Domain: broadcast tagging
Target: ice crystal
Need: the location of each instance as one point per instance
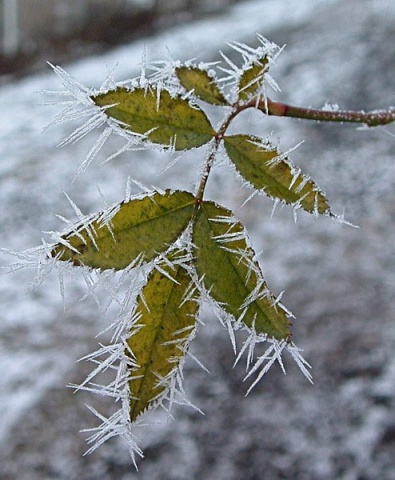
(260, 364)
(115, 426)
(81, 106)
(250, 56)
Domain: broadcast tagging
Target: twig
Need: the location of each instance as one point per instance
(372, 118)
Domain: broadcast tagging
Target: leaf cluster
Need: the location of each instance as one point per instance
(194, 248)
(188, 249)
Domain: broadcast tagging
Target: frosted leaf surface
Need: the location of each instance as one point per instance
(116, 237)
(154, 113)
(264, 167)
(158, 344)
(230, 273)
(201, 83)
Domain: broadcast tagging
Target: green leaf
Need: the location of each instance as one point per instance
(204, 86)
(167, 321)
(144, 226)
(263, 167)
(230, 273)
(252, 79)
(165, 120)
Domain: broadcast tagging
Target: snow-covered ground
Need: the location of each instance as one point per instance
(338, 281)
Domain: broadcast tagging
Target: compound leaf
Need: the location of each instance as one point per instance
(263, 166)
(252, 78)
(164, 119)
(160, 340)
(230, 273)
(204, 86)
(114, 239)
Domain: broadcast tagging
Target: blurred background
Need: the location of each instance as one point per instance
(33, 29)
(339, 281)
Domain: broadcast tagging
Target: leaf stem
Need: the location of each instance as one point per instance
(207, 168)
(372, 118)
(219, 135)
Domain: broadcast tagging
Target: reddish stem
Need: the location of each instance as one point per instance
(372, 119)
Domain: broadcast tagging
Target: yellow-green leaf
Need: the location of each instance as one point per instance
(231, 274)
(204, 86)
(167, 321)
(263, 167)
(252, 79)
(144, 226)
(165, 120)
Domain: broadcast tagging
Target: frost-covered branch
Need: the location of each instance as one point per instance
(177, 249)
(373, 118)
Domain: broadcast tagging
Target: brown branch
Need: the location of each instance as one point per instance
(373, 118)
(211, 155)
